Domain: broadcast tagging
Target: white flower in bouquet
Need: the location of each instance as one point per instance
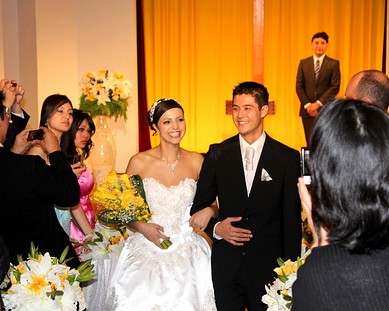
(279, 294)
(104, 241)
(46, 283)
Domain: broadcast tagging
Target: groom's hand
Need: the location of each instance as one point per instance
(235, 236)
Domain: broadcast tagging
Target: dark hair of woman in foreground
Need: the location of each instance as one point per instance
(350, 175)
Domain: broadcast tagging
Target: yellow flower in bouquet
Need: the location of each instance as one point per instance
(288, 267)
(279, 294)
(105, 93)
(121, 200)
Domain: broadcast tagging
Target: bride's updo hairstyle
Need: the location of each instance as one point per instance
(350, 175)
(158, 109)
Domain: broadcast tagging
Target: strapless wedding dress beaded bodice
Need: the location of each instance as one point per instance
(148, 278)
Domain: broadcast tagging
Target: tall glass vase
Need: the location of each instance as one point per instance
(104, 151)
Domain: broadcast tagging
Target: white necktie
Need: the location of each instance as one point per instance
(317, 69)
(249, 157)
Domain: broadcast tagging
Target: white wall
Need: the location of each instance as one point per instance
(48, 45)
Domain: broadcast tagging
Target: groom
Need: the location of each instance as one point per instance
(259, 207)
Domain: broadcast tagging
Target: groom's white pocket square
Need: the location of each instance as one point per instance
(265, 175)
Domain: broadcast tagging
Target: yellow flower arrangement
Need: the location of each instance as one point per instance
(105, 93)
(121, 200)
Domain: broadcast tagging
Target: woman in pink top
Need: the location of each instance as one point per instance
(78, 150)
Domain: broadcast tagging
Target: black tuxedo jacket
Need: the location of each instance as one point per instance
(18, 124)
(4, 260)
(29, 188)
(272, 211)
(326, 87)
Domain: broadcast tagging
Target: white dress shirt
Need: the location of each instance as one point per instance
(249, 175)
(257, 146)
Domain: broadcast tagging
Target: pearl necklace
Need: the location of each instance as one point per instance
(172, 165)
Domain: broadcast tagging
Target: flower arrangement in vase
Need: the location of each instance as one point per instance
(105, 93)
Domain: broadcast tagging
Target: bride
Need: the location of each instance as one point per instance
(148, 276)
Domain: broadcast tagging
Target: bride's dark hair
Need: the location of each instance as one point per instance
(159, 108)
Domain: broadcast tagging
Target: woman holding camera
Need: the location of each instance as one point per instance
(349, 205)
(57, 115)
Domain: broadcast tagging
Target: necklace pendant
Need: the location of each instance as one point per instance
(172, 165)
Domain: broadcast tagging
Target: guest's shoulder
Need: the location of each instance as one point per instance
(323, 256)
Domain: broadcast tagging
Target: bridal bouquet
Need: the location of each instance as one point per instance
(121, 200)
(105, 93)
(46, 283)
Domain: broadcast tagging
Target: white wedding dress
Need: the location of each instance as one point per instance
(148, 278)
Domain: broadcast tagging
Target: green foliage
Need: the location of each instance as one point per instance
(110, 109)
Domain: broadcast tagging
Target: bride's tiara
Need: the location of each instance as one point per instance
(152, 109)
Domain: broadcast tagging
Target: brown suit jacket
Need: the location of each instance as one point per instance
(326, 87)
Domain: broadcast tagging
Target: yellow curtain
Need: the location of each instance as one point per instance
(198, 50)
(356, 32)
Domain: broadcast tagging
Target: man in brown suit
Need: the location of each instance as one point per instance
(317, 82)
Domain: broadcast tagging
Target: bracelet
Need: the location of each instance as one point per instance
(7, 112)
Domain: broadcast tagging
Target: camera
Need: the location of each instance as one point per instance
(305, 172)
(36, 134)
(78, 158)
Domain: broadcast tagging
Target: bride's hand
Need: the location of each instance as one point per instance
(152, 232)
(200, 219)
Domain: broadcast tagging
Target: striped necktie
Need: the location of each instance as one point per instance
(317, 69)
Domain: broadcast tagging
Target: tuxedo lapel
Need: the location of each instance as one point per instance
(323, 68)
(311, 69)
(231, 163)
(236, 164)
(262, 165)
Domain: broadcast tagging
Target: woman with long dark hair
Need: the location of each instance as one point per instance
(79, 150)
